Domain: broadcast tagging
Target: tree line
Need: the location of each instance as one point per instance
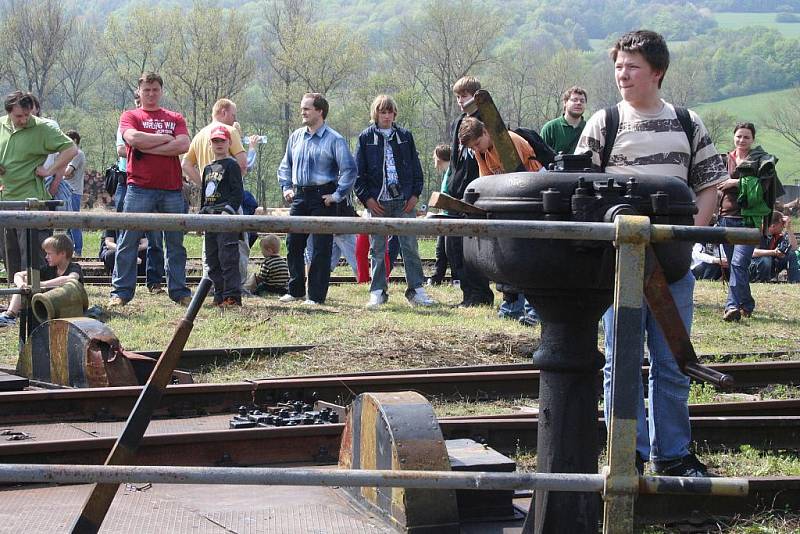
(85, 70)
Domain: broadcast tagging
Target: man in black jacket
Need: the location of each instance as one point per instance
(389, 184)
(463, 170)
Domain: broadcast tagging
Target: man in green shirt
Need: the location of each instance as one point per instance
(25, 143)
(562, 134)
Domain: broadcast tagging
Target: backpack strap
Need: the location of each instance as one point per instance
(687, 125)
(612, 125)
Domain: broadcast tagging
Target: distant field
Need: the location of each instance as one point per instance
(755, 108)
(732, 21)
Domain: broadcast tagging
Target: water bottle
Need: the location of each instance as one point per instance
(262, 139)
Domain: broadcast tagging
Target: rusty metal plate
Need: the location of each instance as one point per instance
(190, 509)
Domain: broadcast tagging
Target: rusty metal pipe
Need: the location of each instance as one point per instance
(357, 225)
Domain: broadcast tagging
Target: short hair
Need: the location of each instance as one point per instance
(442, 151)
(466, 85)
(319, 103)
(649, 44)
(269, 242)
(61, 243)
(747, 126)
(382, 103)
(36, 103)
(574, 89)
(221, 105)
(150, 77)
(18, 98)
(470, 130)
(776, 218)
(75, 136)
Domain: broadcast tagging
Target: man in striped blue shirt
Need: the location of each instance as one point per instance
(317, 173)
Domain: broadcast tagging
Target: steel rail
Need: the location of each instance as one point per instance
(472, 382)
(357, 225)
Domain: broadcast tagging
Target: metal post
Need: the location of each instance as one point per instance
(124, 451)
(622, 479)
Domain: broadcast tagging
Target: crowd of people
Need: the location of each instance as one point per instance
(319, 174)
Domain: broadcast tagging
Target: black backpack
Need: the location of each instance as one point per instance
(111, 179)
(544, 154)
(612, 125)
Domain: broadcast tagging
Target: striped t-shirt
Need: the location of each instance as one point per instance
(655, 144)
(273, 274)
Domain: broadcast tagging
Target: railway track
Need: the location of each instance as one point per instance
(472, 382)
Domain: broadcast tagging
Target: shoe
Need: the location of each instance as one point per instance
(688, 466)
(289, 298)
(746, 314)
(116, 302)
(527, 320)
(309, 302)
(231, 302)
(377, 298)
(184, 301)
(7, 320)
(155, 289)
(639, 465)
(418, 297)
(732, 314)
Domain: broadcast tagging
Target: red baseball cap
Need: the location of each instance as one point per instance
(220, 132)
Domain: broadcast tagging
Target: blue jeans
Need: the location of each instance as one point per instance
(408, 248)
(739, 256)
(666, 434)
(141, 200)
(343, 245)
(155, 244)
(75, 233)
(514, 306)
(765, 268)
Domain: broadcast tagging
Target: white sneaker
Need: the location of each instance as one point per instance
(309, 302)
(289, 298)
(377, 299)
(418, 297)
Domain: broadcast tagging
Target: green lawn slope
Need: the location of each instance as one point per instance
(734, 21)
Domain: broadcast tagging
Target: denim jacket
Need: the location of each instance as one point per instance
(371, 168)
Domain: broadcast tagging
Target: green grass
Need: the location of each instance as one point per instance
(734, 21)
(757, 109)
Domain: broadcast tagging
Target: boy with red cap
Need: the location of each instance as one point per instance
(222, 192)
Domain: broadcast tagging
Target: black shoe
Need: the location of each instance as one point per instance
(732, 315)
(640, 465)
(688, 466)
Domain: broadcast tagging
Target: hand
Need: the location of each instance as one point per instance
(375, 207)
(42, 171)
(410, 204)
(778, 254)
(329, 199)
(288, 195)
(70, 171)
(254, 140)
(730, 183)
(723, 262)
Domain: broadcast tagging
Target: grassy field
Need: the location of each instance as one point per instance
(756, 109)
(734, 21)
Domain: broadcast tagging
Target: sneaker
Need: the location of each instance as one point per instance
(231, 302)
(377, 298)
(732, 314)
(418, 297)
(688, 466)
(184, 301)
(7, 320)
(527, 320)
(309, 302)
(289, 298)
(155, 289)
(116, 302)
(746, 314)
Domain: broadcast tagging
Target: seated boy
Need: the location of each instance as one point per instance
(58, 250)
(273, 275)
(222, 193)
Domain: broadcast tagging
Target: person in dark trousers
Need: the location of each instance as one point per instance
(463, 170)
(222, 192)
(441, 162)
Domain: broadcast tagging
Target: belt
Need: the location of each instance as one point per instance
(328, 187)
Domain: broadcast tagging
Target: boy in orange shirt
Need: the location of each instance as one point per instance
(473, 134)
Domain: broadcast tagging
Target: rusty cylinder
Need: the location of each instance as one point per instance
(69, 300)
